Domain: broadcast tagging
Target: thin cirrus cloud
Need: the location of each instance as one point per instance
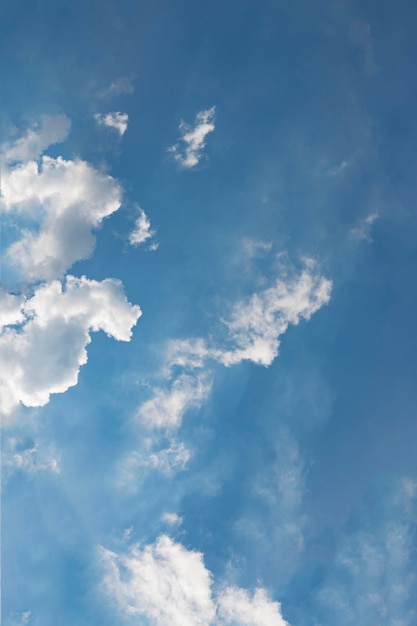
(272, 519)
(43, 354)
(188, 151)
(251, 332)
(372, 579)
(51, 130)
(117, 87)
(20, 619)
(60, 203)
(116, 120)
(32, 458)
(166, 407)
(363, 230)
(151, 454)
(166, 583)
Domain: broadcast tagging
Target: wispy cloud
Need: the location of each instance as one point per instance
(165, 456)
(255, 247)
(373, 578)
(142, 230)
(18, 455)
(255, 324)
(167, 406)
(116, 120)
(363, 231)
(119, 86)
(51, 130)
(251, 332)
(19, 619)
(188, 151)
(338, 169)
(272, 523)
(167, 584)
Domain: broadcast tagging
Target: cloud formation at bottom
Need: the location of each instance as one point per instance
(167, 584)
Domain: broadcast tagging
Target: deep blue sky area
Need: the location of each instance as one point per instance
(242, 449)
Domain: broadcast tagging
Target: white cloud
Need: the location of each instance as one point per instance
(363, 231)
(64, 201)
(189, 149)
(165, 583)
(10, 309)
(53, 129)
(166, 407)
(115, 119)
(251, 333)
(142, 230)
(188, 354)
(256, 323)
(152, 455)
(44, 354)
(167, 460)
(237, 606)
(172, 519)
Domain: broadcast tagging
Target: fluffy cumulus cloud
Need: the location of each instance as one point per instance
(10, 309)
(373, 578)
(142, 230)
(164, 583)
(43, 354)
(57, 204)
(116, 120)
(189, 149)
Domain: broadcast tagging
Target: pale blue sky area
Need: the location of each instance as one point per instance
(242, 449)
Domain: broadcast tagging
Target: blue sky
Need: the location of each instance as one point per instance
(207, 312)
